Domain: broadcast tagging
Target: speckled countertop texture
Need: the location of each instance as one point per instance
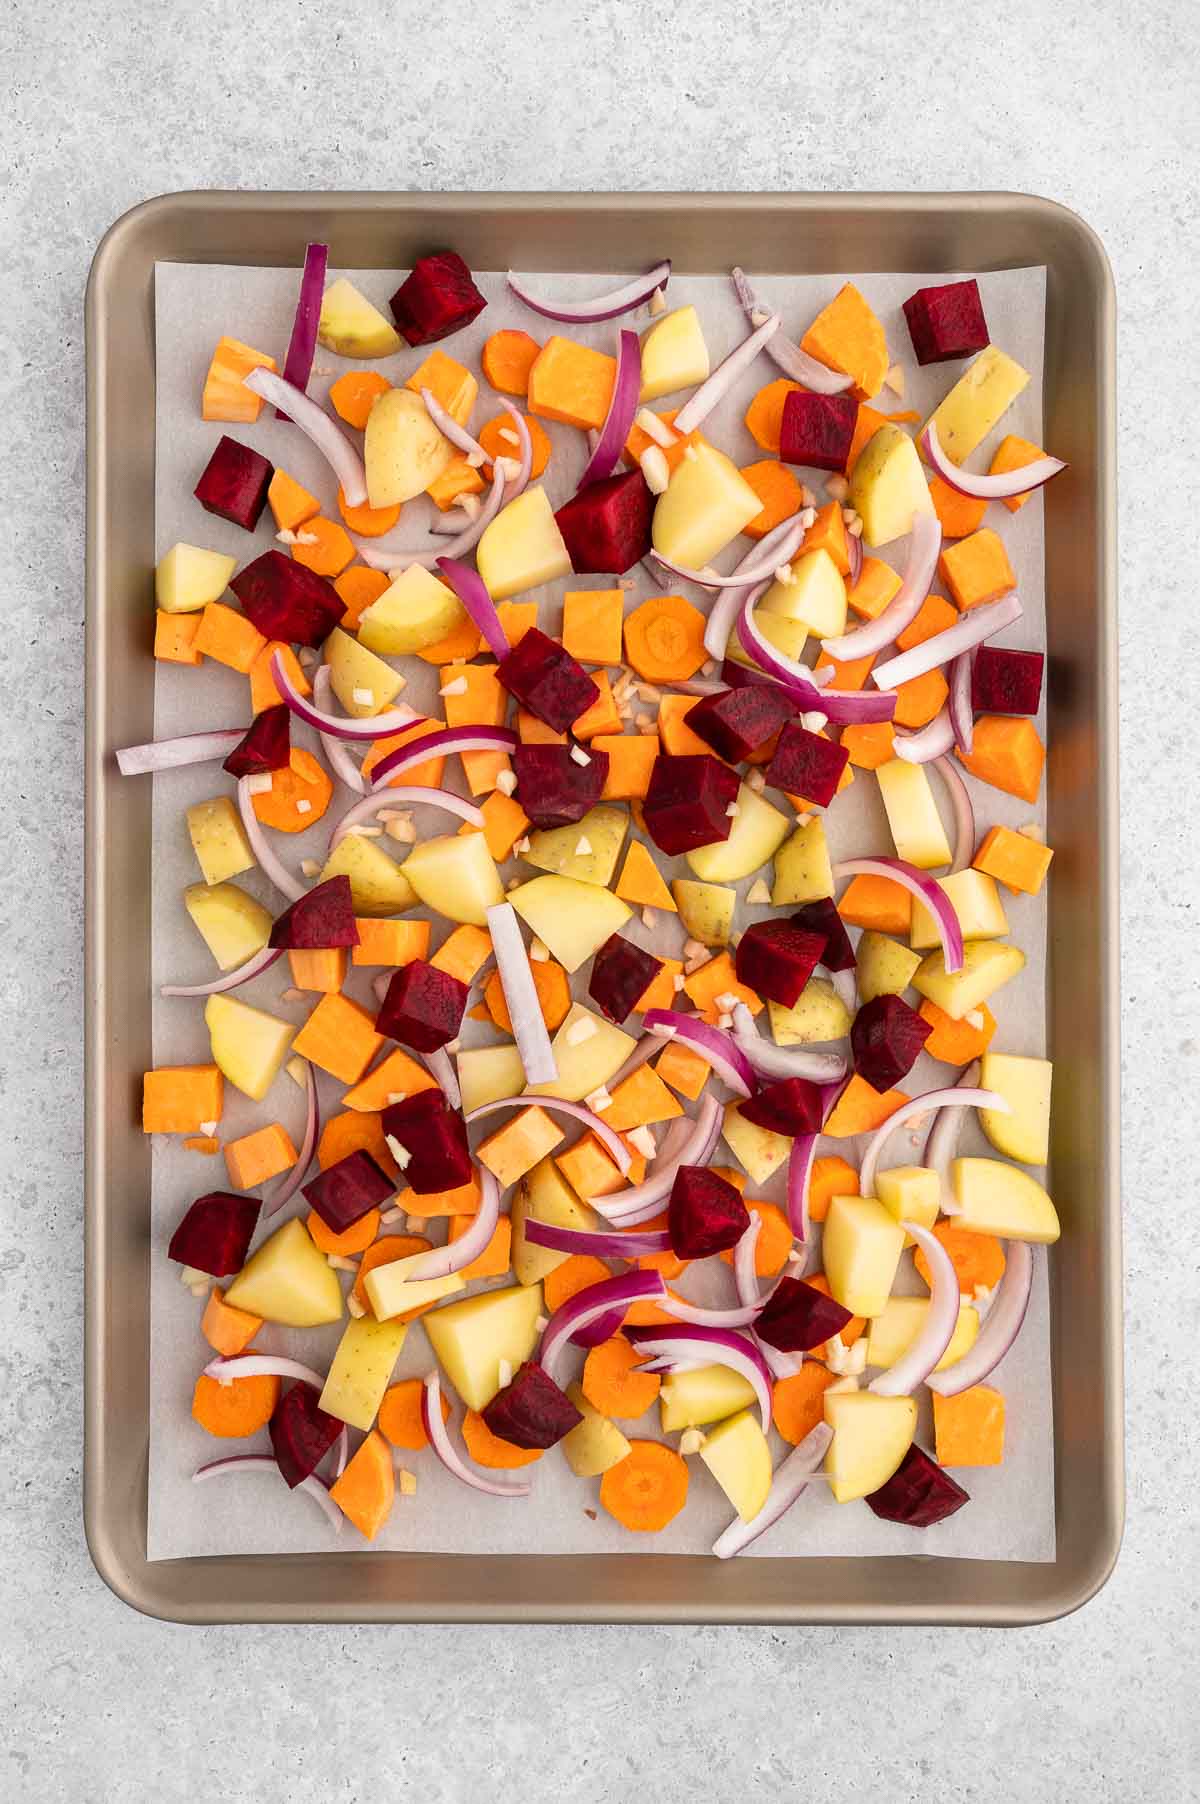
(108, 103)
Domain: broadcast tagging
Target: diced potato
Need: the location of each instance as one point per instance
(232, 924)
(471, 1338)
(588, 1050)
(737, 1455)
(391, 1290)
(674, 354)
(758, 831)
(1024, 1084)
(188, 578)
(403, 451)
(544, 1194)
(885, 967)
(987, 964)
(995, 1198)
(888, 487)
(363, 683)
(803, 872)
(362, 1370)
(522, 548)
(894, 1331)
(916, 826)
(378, 885)
(861, 1249)
(814, 594)
(756, 1149)
(248, 1045)
(910, 1193)
(288, 1280)
(488, 1073)
(708, 1394)
(706, 910)
(871, 1435)
(602, 833)
(573, 919)
(595, 1444)
(706, 504)
(351, 327)
(819, 1015)
(417, 610)
(219, 840)
(456, 875)
(975, 900)
(982, 395)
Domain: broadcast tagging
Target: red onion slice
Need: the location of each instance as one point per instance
(719, 1048)
(784, 1061)
(1001, 1325)
(964, 812)
(621, 409)
(694, 412)
(177, 754)
(292, 1180)
(716, 1346)
(740, 1317)
(745, 1279)
(521, 999)
(440, 1068)
(628, 1208)
(456, 1255)
(845, 707)
(976, 625)
(605, 306)
(340, 761)
(558, 1105)
(262, 1365)
(924, 888)
(942, 1139)
(297, 367)
(379, 726)
(234, 1463)
(866, 640)
(395, 560)
(471, 590)
(845, 985)
(341, 1452)
(629, 1245)
(439, 1440)
(958, 703)
(799, 1177)
(438, 745)
(932, 741)
(722, 616)
(854, 553)
(232, 980)
(272, 867)
(759, 570)
(588, 1305)
(785, 354)
(941, 1318)
(1000, 487)
(790, 1482)
(952, 1096)
(316, 425)
(449, 427)
(416, 795)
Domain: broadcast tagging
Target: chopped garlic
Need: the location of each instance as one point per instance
(521, 846)
(190, 1275)
(849, 514)
(297, 1071)
(476, 460)
(725, 1021)
(456, 686)
(647, 692)
(579, 756)
(658, 303)
(340, 1263)
(708, 666)
(974, 1018)
(286, 536)
(808, 518)
(452, 1046)
(509, 436)
(855, 528)
(691, 454)
(805, 820)
(599, 1100)
(783, 573)
(583, 845)
(694, 949)
(895, 380)
(303, 805)
(849, 1383)
(504, 1372)
(401, 830)
(758, 895)
(261, 783)
(1031, 830)
(649, 917)
(542, 1323)
(363, 698)
(836, 1354)
(732, 811)
(292, 995)
(407, 1481)
(309, 867)
(580, 1030)
(366, 832)
(677, 983)
(643, 723)
(655, 469)
(508, 467)
(353, 1305)
(395, 1096)
(807, 498)
(399, 1153)
(506, 782)
(538, 949)
(470, 505)
(643, 1140)
(691, 1441)
(307, 538)
(756, 781)
(836, 487)
(417, 1224)
(654, 428)
(394, 1214)
(856, 1359)
(209, 1128)
(727, 1001)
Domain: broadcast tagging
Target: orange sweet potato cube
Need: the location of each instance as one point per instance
(516, 1147)
(641, 1100)
(591, 628)
(382, 942)
(323, 968)
(175, 638)
(1014, 859)
(464, 952)
(264, 691)
(1011, 453)
(968, 1429)
(496, 1257)
(977, 569)
(256, 1158)
(683, 1069)
(228, 636)
(339, 1037)
(179, 1099)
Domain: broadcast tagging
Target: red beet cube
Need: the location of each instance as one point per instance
(776, 959)
(688, 802)
(286, 601)
(918, 1493)
(792, 1106)
(621, 972)
(423, 1007)
(807, 765)
(736, 722)
(235, 483)
(322, 918)
(214, 1235)
(886, 1038)
(946, 321)
(301, 1433)
(531, 1411)
(546, 679)
(435, 1138)
(267, 745)
(798, 1317)
(438, 298)
(1006, 682)
(552, 788)
(705, 1214)
(741, 676)
(344, 1192)
(817, 430)
(822, 917)
(606, 527)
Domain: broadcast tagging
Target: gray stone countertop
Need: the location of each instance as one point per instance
(109, 103)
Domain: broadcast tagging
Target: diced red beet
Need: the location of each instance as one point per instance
(817, 430)
(267, 745)
(301, 1433)
(946, 321)
(546, 679)
(553, 788)
(822, 917)
(214, 1234)
(777, 958)
(435, 1137)
(807, 765)
(705, 1214)
(736, 722)
(343, 1193)
(918, 1493)
(886, 1039)
(741, 676)
(438, 298)
(531, 1411)
(621, 972)
(323, 918)
(606, 527)
(423, 1007)
(286, 601)
(791, 1106)
(235, 483)
(797, 1317)
(687, 804)
(1005, 681)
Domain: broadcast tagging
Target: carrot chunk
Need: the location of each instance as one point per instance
(647, 1489)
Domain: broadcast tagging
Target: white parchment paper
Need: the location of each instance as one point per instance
(1011, 1515)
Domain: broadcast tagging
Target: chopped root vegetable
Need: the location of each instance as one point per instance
(487, 1449)
(236, 1409)
(612, 1383)
(507, 358)
(664, 639)
(297, 797)
(366, 1490)
(354, 394)
(577, 1272)
(400, 1415)
(647, 1489)
(978, 1259)
(798, 1403)
(831, 1176)
(227, 1330)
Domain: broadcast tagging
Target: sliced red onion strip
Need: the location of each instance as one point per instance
(262, 1365)
(964, 812)
(930, 742)
(799, 1177)
(790, 1481)
(456, 1255)
(415, 795)
(640, 1202)
(521, 997)
(605, 306)
(740, 1317)
(942, 1139)
(785, 354)
(451, 523)
(233, 1463)
(958, 702)
(845, 707)
(630, 1244)
(558, 1105)
(395, 560)
(941, 1318)
(379, 726)
(952, 1096)
(341, 1452)
(976, 625)
(292, 1180)
(718, 1346)
(761, 569)
(854, 553)
(784, 1061)
(520, 481)
(471, 590)
(695, 411)
(621, 408)
(232, 980)
(866, 640)
(177, 754)
(1001, 1325)
(438, 745)
(439, 1440)
(316, 425)
(272, 867)
(926, 890)
(449, 427)
(297, 367)
(588, 1305)
(340, 761)
(845, 987)
(722, 616)
(440, 1068)
(745, 1278)
(1000, 487)
(720, 1049)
